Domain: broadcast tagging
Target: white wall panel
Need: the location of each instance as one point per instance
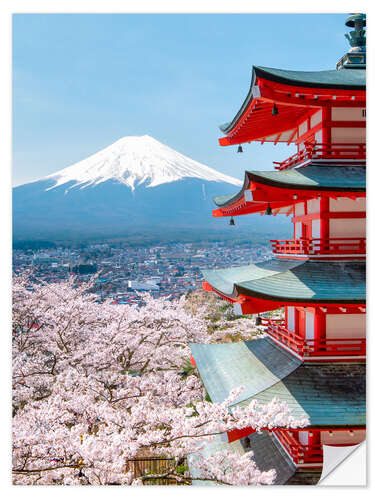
(315, 228)
(347, 205)
(313, 206)
(291, 318)
(316, 118)
(302, 129)
(354, 135)
(309, 325)
(348, 114)
(347, 228)
(300, 209)
(303, 437)
(319, 136)
(298, 231)
(342, 326)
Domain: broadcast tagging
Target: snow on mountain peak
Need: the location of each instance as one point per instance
(136, 160)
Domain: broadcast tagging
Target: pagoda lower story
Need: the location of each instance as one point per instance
(331, 395)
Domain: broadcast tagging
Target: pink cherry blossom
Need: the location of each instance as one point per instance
(96, 385)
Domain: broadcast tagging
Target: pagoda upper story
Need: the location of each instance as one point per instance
(308, 107)
(298, 106)
(323, 185)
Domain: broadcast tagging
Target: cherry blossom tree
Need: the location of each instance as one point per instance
(96, 385)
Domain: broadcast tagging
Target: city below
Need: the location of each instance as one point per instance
(122, 273)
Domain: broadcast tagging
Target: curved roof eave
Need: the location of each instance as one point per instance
(351, 79)
(293, 281)
(223, 201)
(283, 179)
(227, 127)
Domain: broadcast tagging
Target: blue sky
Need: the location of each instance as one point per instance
(82, 81)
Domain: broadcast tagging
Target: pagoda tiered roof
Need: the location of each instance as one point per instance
(279, 188)
(329, 395)
(295, 93)
(292, 281)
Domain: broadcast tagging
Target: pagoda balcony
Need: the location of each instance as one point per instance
(313, 348)
(302, 455)
(323, 151)
(326, 247)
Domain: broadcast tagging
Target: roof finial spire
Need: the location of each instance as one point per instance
(357, 38)
(356, 57)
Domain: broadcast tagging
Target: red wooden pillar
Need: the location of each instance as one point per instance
(319, 327)
(314, 437)
(326, 129)
(313, 444)
(301, 322)
(324, 202)
(324, 222)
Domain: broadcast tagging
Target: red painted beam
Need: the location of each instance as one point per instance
(239, 434)
(293, 89)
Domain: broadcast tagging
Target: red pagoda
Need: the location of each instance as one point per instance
(314, 358)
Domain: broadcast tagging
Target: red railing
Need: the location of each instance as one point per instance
(311, 454)
(318, 151)
(320, 246)
(277, 330)
(315, 347)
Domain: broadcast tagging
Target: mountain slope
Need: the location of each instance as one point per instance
(134, 161)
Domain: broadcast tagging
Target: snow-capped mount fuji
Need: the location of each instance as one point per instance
(137, 160)
(136, 186)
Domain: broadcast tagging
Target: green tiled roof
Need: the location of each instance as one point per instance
(222, 201)
(290, 280)
(354, 79)
(328, 394)
(315, 176)
(256, 365)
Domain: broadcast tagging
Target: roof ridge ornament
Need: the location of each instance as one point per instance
(356, 57)
(357, 38)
